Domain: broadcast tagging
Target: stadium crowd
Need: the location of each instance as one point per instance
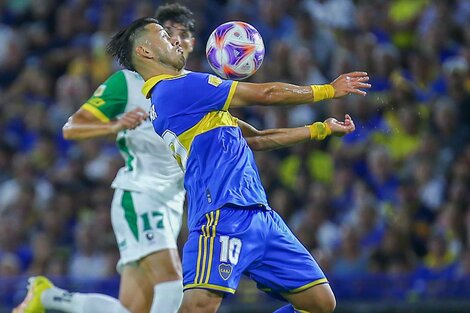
(392, 197)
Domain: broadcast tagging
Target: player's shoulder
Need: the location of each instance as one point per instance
(116, 81)
(205, 78)
(172, 83)
(132, 76)
(123, 77)
(113, 83)
(196, 75)
(190, 80)
(120, 81)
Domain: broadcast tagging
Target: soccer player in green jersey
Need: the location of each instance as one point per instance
(233, 231)
(148, 199)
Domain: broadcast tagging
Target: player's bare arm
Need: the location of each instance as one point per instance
(83, 124)
(277, 138)
(271, 139)
(283, 94)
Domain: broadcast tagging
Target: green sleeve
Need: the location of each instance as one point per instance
(109, 99)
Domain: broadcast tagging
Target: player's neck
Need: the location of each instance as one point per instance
(150, 70)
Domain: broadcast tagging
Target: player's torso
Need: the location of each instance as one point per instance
(149, 165)
(208, 144)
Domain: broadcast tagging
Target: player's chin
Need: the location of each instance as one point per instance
(181, 62)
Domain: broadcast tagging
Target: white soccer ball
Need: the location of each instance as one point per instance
(235, 50)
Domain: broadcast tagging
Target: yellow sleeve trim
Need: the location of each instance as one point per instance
(322, 92)
(209, 286)
(230, 96)
(319, 130)
(96, 112)
(151, 82)
(309, 285)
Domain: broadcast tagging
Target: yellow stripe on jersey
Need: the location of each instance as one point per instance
(208, 233)
(205, 235)
(230, 95)
(210, 121)
(309, 285)
(209, 286)
(204, 229)
(199, 252)
(198, 259)
(211, 245)
(96, 112)
(152, 81)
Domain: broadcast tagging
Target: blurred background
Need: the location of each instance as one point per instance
(385, 210)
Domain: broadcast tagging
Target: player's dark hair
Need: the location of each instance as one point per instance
(121, 45)
(176, 13)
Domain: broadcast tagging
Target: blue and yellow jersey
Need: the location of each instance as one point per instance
(189, 112)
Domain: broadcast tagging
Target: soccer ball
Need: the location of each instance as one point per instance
(235, 50)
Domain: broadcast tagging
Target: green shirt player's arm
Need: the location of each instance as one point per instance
(282, 93)
(97, 117)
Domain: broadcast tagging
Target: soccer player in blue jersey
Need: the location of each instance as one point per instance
(116, 105)
(233, 231)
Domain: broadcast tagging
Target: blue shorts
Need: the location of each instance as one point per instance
(229, 242)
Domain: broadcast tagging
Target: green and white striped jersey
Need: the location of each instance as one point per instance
(149, 164)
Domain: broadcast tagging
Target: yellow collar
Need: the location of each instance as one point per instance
(151, 82)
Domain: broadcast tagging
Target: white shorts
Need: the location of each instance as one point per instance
(143, 225)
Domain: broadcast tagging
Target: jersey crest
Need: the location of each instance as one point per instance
(99, 91)
(214, 80)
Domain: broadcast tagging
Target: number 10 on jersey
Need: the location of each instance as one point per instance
(230, 249)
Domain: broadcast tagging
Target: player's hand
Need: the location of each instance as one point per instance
(339, 128)
(349, 83)
(130, 120)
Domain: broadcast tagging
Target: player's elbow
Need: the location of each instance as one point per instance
(255, 143)
(67, 130)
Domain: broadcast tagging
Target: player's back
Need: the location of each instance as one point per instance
(206, 140)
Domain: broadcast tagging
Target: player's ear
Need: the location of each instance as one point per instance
(143, 51)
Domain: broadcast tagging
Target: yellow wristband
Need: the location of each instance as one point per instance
(319, 130)
(322, 92)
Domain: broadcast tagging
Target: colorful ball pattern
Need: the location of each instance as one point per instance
(235, 50)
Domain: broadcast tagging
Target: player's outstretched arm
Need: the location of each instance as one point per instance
(83, 124)
(271, 139)
(283, 94)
